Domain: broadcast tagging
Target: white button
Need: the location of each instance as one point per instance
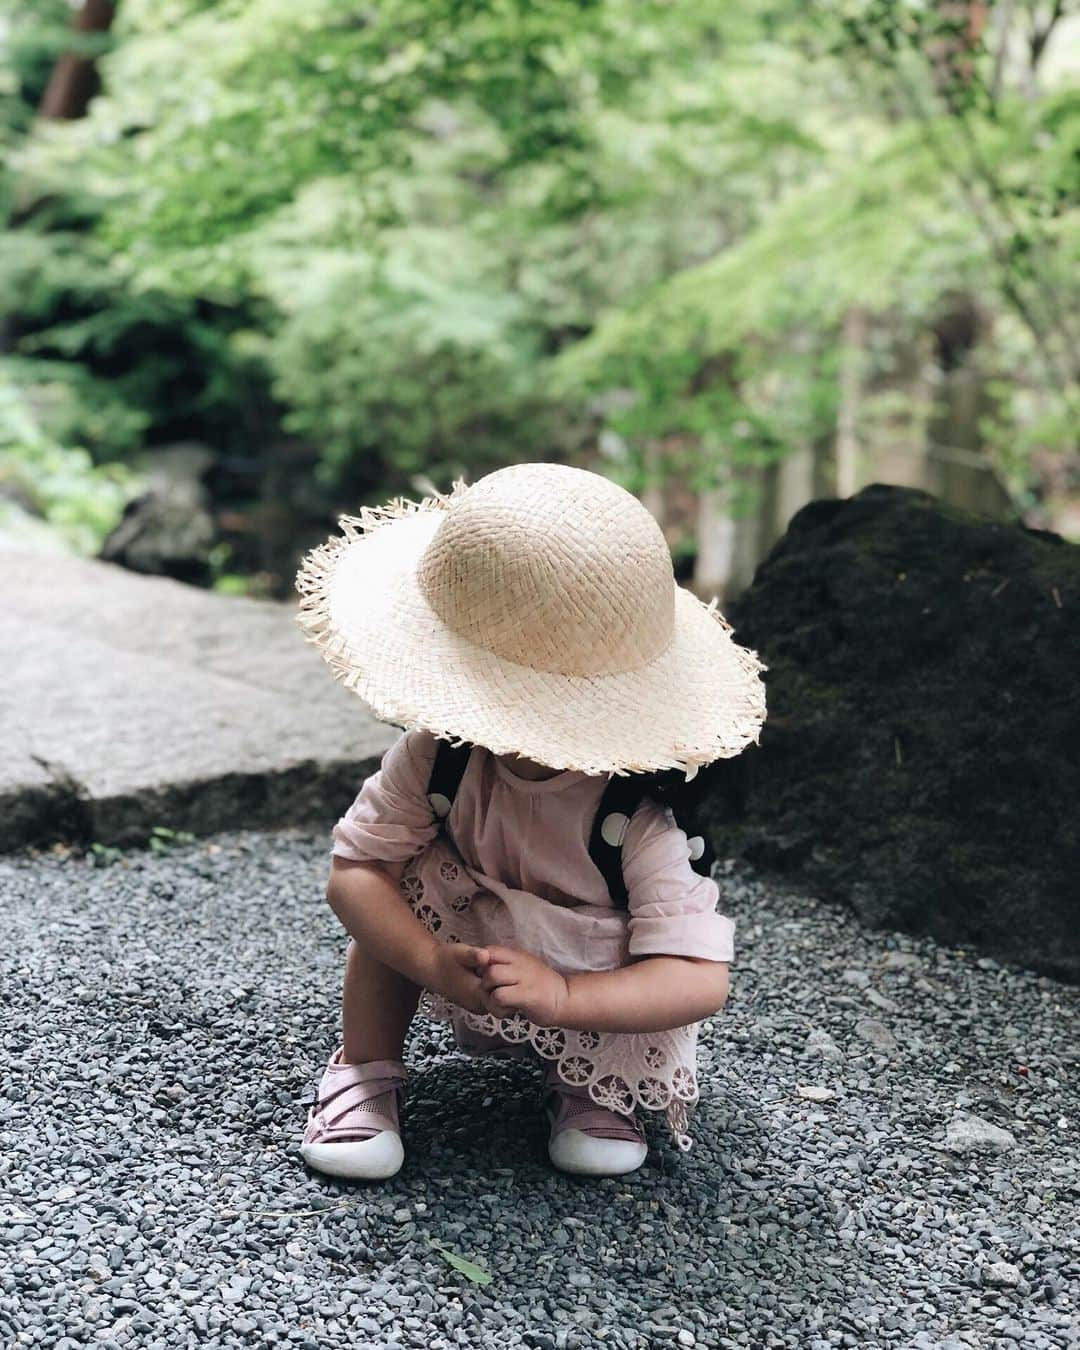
(696, 847)
(613, 830)
(439, 804)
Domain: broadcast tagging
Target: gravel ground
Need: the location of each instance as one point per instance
(164, 1018)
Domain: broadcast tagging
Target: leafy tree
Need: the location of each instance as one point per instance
(420, 207)
(108, 360)
(964, 192)
(430, 238)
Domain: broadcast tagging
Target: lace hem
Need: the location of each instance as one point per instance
(574, 1055)
(620, 1070)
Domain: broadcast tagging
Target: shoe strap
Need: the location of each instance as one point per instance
(358, 1100)
(389, 1072)
(575, 1110)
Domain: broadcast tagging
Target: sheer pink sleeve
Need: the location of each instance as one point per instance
(672, 907)
(391, 819)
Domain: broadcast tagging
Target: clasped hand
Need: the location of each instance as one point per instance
(502, 981)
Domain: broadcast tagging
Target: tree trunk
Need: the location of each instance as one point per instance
(74, 79)
(851, 363)
(959, 471)
(652, 494)
(1003, 23)
(953, 50)
(794, 486)
(715, 562)
(749, 549)
(729, 534)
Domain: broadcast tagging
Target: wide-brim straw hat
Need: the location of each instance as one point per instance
(535, 613)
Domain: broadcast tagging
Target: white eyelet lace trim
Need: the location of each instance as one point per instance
(591, 1060)
(621, 1071)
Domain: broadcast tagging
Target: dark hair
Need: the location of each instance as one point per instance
(714, 793)
(670, 788)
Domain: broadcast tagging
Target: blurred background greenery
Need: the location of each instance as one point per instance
(263, 261)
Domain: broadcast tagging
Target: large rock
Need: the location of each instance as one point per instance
(921, 759)
(128, 702)
(168, 529)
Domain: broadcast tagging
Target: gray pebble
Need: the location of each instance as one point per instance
(159, 1203)
(819, 1042)
(972, 1134)
(859, 978)
(877, 1035)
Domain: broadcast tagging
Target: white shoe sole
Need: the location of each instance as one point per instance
(582, 1154)
(373, 1159)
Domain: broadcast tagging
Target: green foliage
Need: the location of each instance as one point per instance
(404, 216)
(284, 97)
(43, 480)
(887, 234)
(94, 362)
(104, 855)
(136, 362)
(410, 359)
(163, 839)
(416, 211)
(32, 35)
(432, 238)
(737, 353)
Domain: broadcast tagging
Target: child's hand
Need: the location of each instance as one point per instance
(457, 975)
(515, 981)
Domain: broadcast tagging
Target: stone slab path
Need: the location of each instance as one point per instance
(129, 702)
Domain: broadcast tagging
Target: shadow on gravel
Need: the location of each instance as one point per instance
(164, 1020)
(710, 1230)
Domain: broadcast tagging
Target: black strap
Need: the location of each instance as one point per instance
(706, 858)
(621, 797)
(447, 772)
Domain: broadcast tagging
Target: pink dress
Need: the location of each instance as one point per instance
(511, 866)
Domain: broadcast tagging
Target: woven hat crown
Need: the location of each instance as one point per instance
(553, 568)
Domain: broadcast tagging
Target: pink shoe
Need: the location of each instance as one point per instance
(353, 1128)
(587, 1139)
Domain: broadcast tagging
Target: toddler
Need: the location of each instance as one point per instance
(513, 863)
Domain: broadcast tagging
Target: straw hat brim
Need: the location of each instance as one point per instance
(361, 605)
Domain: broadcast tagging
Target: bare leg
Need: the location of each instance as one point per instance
(377, 1005)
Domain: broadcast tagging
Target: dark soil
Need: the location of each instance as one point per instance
(921, 759)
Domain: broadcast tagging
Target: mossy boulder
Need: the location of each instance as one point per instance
(921, 759)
